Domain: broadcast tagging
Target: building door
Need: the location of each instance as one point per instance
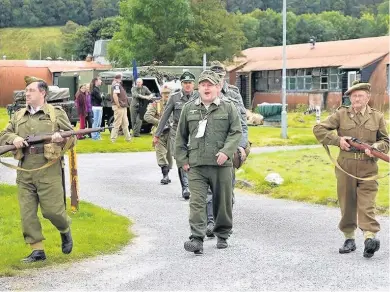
(70, 82)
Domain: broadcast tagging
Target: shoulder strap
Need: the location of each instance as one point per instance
(52, 114)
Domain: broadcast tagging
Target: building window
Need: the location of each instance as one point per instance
(300, 79)
(261, 81)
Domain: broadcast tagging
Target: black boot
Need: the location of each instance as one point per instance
(35, 256)
(185, 191)
(194, 245)
(348, 246)
(371, 245)
(222, 243)
(67, 242)
(165, 170)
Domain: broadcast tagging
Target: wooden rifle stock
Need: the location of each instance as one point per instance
(363, 146)
(46, 138)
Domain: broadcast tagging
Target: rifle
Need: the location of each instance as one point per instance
(359, 145)
(46, 138)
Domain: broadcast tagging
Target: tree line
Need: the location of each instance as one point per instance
(35, 13)
(179, 32)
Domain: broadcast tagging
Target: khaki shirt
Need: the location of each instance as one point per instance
(37, 123)
(154, 112)
(223, 133)
(369, 128)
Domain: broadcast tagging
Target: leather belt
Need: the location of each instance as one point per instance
(355, 155)
(33, 150)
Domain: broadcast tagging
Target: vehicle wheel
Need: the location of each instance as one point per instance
(147, 128)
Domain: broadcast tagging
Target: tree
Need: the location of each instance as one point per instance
(150, 31)
(79, 40)
(5, 13)
(214, 32)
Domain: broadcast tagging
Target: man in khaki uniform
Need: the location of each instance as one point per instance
(43, 187)
(139, 94)
(208, 134)
(163, 150)
(119, 106)
(173, 108)
(356, 197)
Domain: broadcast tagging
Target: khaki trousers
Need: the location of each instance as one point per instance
(120, 120)
(357, 197)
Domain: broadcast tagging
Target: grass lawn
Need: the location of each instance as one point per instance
(308, 176)
(95, 231)
(17, 43)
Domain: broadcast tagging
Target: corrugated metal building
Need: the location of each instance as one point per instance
(12, 73)
(317, 74)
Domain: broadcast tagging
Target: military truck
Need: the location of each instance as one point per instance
(128, 81)
(56, 96)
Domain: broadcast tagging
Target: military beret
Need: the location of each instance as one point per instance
(357, 85)
(166, 89)
(209, 75)
(187, 76)
(32, 79)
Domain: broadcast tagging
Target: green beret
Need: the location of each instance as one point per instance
(357, 85)
(32, 79)
(187, 76)
(209, 75)
(218, 68)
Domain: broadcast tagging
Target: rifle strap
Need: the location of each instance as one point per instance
(334, 161)
(49, 163)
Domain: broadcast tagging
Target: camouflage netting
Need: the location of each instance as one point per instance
(159, 74)
(55, 95)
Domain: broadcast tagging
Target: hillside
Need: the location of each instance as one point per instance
(17, 43)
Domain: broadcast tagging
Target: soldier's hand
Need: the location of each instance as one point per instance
(56, 138)
(155, 141)
(368, 152)
(243, 154)
(186, 167)
(222, 157)
(19, 142)
(344, 145)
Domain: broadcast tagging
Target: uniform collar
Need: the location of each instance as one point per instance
(43, 108)
(217, 101)
(363, 111)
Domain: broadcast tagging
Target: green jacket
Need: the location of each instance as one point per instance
(223, 133)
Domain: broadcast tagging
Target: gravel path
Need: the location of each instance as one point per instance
(277, 245)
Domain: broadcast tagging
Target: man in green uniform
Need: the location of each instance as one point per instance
(232, 94)
(139, 93)
(356, 197)
(208, 134)
(163, 150)
(43, 187)
(174, 106)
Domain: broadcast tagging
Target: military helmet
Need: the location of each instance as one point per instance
(218, 68)
(187, 76)
(357, 85)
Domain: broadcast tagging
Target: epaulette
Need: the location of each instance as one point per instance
(234, 88)
(343, 106)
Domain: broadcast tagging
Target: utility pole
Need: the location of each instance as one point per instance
(284, 106)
